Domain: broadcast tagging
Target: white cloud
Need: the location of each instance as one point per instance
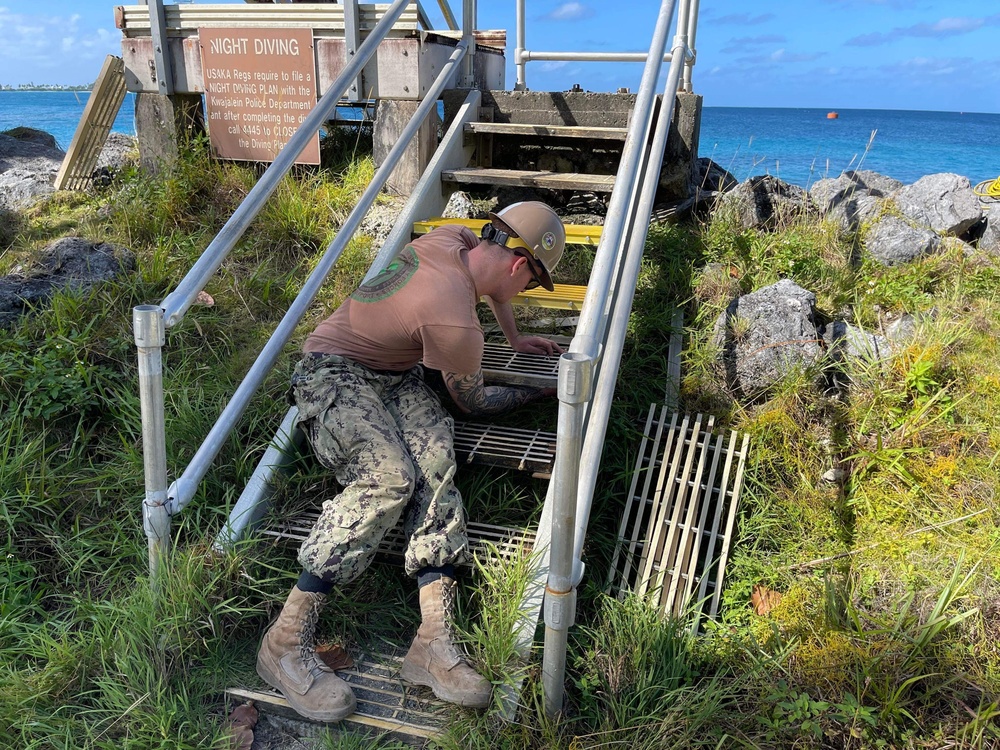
(34, 48)
(571, 11)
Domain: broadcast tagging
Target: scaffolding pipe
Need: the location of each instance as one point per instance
(593, 316)
(176, 304)
(449, 17)
(593, 446)
(183, 489)
(469, 20)
(147, 325)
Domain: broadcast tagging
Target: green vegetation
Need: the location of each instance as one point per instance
(880, 628)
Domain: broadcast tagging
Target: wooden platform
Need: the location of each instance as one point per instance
(547, 131)
(597, 183)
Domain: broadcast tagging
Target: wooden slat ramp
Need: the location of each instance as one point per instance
(680, 515)
(98, 116)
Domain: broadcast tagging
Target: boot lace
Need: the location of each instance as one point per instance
(307, 642)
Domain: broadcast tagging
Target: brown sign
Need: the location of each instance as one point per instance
(260, 84)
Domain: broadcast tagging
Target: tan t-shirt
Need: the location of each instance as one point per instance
(422, 306)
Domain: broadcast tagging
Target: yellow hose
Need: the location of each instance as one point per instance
(988, 189)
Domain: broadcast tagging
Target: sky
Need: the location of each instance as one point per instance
(833, 54)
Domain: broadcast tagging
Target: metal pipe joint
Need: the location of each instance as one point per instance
(576, 377)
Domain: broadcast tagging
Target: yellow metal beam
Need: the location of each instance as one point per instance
(576, 234)
(564, 297)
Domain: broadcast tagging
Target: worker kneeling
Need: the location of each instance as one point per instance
(373, 421)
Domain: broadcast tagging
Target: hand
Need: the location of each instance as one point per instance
(536, 345)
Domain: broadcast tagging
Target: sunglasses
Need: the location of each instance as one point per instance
(535, 281)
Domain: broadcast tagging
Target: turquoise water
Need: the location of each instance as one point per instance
(801, 145)
(797, 145)
(57, 112)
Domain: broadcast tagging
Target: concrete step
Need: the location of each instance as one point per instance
(598, 183)
(546, 131)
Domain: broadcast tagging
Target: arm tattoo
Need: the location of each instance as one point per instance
(474, 397)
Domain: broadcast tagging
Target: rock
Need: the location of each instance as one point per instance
(119, 151)
(944, 202)
(902, 330)
(460, 206)
(68, 262)
(764, 202)
(29, 163)
(874, 183)
(892, 241)
(712, 177)
(845, 341)
(852, 198)
(381, 217)
(834, 476)
(767, 334)
(990, 240)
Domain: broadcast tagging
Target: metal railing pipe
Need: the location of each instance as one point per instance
(597, 425)
(449, 17)
(468, 28)
(574, 389)
(529, 55)
(594, 313)
(177, 302)
(147, 325)
(692, 35)
(183, 489)
(519, 59)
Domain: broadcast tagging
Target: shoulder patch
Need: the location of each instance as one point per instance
(390, 279)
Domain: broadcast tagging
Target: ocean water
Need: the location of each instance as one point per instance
(57, 112)
(802, 145)
(798, 145)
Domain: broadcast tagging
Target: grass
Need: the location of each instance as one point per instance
(882, 631)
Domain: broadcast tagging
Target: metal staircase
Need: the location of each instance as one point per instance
(471, 152)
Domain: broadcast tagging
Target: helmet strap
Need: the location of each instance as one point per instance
(491, 234)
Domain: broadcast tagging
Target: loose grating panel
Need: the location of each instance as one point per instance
(385, 704)
(501, 364)
(508, 542)
(676, 532)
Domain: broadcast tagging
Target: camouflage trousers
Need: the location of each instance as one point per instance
(390, 444)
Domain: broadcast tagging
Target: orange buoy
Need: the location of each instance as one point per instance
(832, 115)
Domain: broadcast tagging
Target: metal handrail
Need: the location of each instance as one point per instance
(150, 321)
(594, 356)
(177, 302)
(523, 55)
(183, 489)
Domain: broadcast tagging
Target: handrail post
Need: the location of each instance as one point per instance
(519, 62)
(469, 21)
(575, 385)
(352, 41)
(692, 57)
(147, 323)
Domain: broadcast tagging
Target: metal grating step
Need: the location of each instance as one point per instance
(505, 541)
(508, 447)
(386, 705)
(598, 183)
(501, 364)
(680, 515)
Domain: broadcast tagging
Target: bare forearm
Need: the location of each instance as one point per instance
(473, 397)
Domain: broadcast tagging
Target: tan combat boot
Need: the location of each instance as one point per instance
(287, 661)
(433, 660)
